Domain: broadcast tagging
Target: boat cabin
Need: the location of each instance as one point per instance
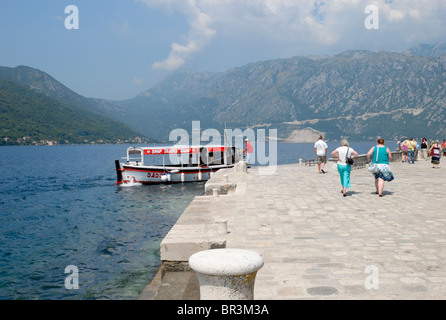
(179, 156)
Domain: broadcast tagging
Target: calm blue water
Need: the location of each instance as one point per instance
(59, 206)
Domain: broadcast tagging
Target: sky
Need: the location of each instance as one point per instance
(120, 48)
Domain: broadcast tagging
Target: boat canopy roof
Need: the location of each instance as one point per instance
(177, 149)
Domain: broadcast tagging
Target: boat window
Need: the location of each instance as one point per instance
(173, 159)
(229, 155)
(152, 160)
(215, 158)
(193, 160)
(135, 157)
(203, 156)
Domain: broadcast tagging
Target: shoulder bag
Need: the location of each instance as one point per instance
(348, 159)
(373, 166)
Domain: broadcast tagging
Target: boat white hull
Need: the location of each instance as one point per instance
(157, 175)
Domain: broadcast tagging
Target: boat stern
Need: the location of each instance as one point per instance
(118, 172)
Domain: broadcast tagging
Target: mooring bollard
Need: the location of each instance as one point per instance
(242, 166)
(226, 274)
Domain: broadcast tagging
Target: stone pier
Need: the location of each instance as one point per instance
(317, 244)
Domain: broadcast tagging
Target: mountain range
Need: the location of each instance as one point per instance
(358, 94)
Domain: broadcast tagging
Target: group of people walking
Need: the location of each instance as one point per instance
(379, 154)
(409, 147)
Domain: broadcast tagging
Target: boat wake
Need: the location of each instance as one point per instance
(132, 183)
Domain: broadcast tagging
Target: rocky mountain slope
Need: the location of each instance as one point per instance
(355, 94)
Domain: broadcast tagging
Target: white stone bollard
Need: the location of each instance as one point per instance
(215, 192)
(226, 274)
(242, 166)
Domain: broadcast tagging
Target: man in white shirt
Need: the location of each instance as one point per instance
(320, 148)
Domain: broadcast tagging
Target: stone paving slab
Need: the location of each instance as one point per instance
(318, 244)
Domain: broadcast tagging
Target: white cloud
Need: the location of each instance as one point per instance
(292, 25)
(200, 32)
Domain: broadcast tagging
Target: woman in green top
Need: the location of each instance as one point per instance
(381, 155)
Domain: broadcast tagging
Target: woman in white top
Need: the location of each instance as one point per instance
(344, 169)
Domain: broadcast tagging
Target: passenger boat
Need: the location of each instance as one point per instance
(174, 164)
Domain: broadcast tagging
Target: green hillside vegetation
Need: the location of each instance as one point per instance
(29, 117)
